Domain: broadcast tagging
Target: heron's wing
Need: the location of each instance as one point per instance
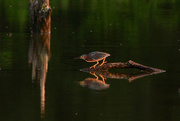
(96, 55)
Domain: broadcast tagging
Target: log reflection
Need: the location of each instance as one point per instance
(128, 76)
(96, 84)
(39, 54)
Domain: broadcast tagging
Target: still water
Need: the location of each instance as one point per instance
(40, 80)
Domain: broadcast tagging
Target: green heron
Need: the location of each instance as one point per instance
(95, 56)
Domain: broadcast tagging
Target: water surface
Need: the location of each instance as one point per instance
(146, 32)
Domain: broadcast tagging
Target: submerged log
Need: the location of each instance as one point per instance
(40, 14)
(129, 64)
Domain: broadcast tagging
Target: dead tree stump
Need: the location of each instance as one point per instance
(40, 15)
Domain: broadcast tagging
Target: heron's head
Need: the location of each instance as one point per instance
(84, 56)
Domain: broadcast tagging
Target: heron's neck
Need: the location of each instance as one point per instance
(85, 56)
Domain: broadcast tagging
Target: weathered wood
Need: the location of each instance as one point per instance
(129, 64)
(40, 14)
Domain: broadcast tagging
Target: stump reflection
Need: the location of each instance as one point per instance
(39, 54)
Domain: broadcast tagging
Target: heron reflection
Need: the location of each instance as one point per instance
(39, 54)
(94, 84)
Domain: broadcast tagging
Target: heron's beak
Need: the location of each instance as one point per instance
(78, 57)
(81, 83)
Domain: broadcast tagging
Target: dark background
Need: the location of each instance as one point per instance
(145, 31)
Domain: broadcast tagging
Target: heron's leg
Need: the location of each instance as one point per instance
(95, 64)
(103, 62)
(94, 75)
(103, 78)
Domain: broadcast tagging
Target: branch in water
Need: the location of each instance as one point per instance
(129, 64)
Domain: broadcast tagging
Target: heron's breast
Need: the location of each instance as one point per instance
(93, 59)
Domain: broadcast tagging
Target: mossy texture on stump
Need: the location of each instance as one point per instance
(40, 14)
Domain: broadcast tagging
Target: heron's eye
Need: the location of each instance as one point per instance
(82, 56)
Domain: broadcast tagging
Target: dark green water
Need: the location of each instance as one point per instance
(147, 32)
